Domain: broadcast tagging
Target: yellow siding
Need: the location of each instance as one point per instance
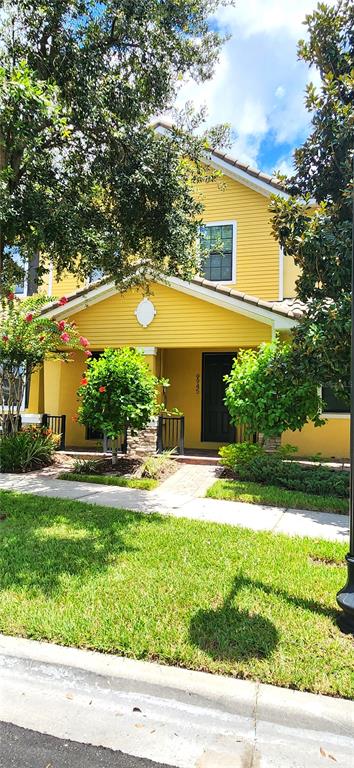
(291, 274)
(331, 440)
(67, 284)
(257, 252)
(180, 320)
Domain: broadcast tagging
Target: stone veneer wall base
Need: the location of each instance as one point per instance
(144, 442)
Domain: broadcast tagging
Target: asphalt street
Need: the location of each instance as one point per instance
(22, 748)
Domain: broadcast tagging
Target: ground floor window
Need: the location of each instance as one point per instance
(333, 403)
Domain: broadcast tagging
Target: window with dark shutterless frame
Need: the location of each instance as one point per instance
(332, 403)
(217, 245)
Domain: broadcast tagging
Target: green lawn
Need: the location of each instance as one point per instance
(256, 493)
(199, 595)
(142, 483)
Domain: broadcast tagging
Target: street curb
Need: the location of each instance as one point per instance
(265, 703)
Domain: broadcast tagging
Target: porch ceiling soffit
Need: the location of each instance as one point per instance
(252, 307)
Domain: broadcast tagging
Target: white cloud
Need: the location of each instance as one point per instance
(259, 84)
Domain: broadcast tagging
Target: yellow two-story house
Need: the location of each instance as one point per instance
(191, 331)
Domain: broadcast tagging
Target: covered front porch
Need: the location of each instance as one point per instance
(196, 391)
(189, 334)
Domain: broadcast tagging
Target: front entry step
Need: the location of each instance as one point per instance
(190, 459)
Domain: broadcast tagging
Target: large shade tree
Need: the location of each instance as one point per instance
(314, 225)
(83, 179)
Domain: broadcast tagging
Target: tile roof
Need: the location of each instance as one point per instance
(233, 162)
(292, 308)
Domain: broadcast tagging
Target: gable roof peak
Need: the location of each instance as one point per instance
(246, 173)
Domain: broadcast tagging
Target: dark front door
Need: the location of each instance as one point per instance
(216, 427)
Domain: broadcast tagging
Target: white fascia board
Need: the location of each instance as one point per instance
(85, 300)
(258, 185)
(261, 314)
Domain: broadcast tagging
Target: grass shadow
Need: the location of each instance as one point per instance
(41, 544)
(230, 633)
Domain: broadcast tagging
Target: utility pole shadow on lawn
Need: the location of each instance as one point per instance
(230, 633)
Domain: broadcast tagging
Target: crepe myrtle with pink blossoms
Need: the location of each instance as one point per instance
(27, 339)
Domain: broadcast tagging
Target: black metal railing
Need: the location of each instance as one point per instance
(170, 433)
(57, 424)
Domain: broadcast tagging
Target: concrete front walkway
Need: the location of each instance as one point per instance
(180, 496)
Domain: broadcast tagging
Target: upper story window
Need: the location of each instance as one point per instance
(218, 244)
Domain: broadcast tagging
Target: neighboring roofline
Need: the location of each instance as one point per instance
(261, 182)
(270, 313)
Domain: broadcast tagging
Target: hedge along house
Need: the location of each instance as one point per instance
(191, 331)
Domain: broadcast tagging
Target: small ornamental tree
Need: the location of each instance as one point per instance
(117, 391)
(260, 395)
(27, 338)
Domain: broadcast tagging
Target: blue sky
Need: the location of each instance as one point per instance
(259, 85)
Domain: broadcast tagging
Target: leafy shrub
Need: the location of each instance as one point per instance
(266, 393)
(239, 454)
(28, 449)
(154, 466)
(118, 391)
(86, 466)
(286, 451)
(271, 469)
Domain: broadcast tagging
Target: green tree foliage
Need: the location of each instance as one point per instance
(320, 242)
(117, 391)
(83, 178)
(260, 396)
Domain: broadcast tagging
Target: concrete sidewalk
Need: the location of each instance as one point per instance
(170, 715)
(172, 498)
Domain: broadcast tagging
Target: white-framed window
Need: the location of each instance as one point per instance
(333, 406)
(218, 246)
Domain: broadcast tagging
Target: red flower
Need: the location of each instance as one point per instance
(83, 341)
(61, 325)
(29, 317)
(62, 301)
(75, 418)
(88, 353)
(101, 389)
(84, 382)
(65, 337)
(5, 338)
(10, 296)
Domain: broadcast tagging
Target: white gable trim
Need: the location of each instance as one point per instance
(254, 312)
(257, 184)
(84, 300)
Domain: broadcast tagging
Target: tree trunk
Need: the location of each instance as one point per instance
(114, 451)
(32, 284)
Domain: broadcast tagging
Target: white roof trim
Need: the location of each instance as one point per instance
(258, 185)
(83, 301)
(253, 311)
(235, 173)
(233, 304)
